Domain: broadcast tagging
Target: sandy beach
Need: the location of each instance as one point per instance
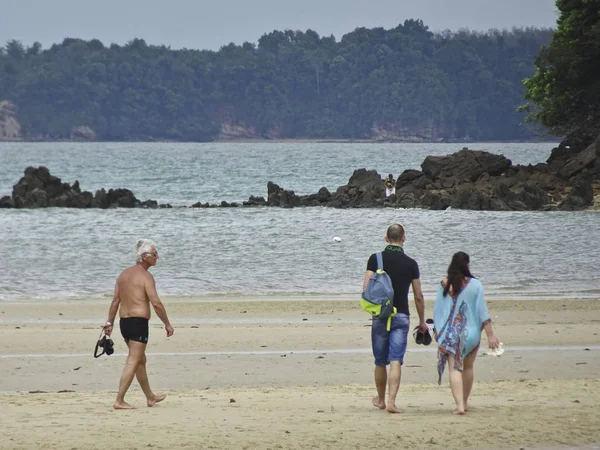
(292, 372)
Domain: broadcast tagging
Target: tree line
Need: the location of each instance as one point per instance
(291, 84)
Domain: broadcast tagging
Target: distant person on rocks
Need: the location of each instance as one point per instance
(390, 185)
(135, 291)
(460, 314)
(389, 347)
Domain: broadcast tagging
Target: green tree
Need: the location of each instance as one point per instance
(566, 86)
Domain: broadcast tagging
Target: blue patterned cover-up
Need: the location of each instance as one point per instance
(458, 322)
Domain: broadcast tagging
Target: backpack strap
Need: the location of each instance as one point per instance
(379, 261)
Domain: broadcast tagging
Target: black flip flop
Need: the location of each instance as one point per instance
(428, 337)
(419, 337)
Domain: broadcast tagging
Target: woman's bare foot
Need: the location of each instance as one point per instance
(157, 399)
(458, 412)
(123, 405)
(377, 403)
(392, 409)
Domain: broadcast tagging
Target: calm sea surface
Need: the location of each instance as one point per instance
(58, 253)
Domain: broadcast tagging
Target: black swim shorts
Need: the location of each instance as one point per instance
(134, 329)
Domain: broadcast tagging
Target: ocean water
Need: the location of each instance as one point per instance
(60, 253)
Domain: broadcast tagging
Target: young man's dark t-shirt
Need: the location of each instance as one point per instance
(402, 270)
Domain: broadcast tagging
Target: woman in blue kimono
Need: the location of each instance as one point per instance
(460, 314)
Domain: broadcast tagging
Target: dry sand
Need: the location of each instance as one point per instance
(300, 374)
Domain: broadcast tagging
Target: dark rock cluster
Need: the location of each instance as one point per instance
(39, 189)
(468, 179)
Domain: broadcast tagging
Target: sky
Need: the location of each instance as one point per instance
(210, 24)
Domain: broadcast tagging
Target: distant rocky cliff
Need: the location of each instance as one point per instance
(231, 131)
(10, 129)
(396, 132)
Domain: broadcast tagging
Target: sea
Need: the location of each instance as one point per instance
(262, 252)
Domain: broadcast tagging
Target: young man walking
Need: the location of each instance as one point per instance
(389, 347)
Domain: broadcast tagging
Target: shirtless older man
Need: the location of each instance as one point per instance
(135, 290)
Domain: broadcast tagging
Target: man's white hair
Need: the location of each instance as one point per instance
(143, 246)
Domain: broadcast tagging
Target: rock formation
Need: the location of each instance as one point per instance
(468, 179)
(39, 189)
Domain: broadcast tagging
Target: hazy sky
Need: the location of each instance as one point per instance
(210, 24)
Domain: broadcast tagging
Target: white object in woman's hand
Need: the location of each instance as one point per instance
(497, 351)
(493, 342)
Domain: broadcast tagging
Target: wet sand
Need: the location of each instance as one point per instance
(300, 375)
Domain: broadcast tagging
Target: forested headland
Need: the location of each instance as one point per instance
(405, 84)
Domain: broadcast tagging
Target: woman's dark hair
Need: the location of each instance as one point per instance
(458, 271)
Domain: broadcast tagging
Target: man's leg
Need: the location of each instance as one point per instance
(142, 377)
(397, 348)
(380, 343)
(456, 386)
(467, 376)
(394, 386)
(134, 358)
(380, 384)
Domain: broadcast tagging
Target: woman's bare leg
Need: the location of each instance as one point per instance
(468, 376)
(456, 385)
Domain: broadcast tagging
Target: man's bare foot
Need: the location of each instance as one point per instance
(392, 409)
(123, 405)
(458, 412)
(378, 403)
(157, 399)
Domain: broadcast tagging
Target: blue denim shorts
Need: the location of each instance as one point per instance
(390, 345)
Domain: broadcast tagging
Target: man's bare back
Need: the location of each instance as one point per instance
(133, 292)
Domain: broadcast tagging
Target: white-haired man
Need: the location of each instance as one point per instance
(135, 291)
